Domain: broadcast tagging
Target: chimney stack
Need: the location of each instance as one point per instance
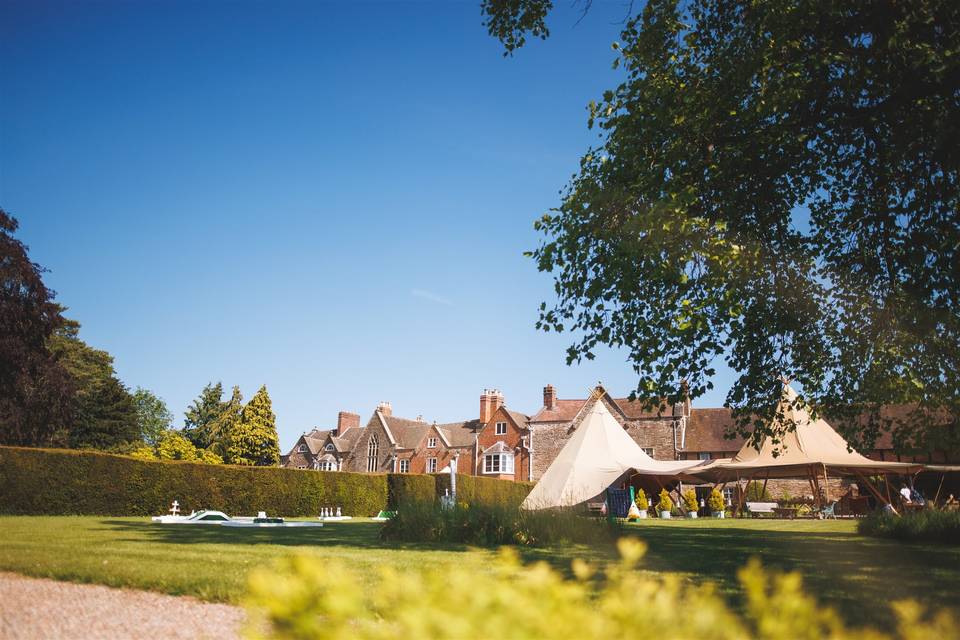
(490, 401)
(347, 420)
(385, 408)
(549, 397)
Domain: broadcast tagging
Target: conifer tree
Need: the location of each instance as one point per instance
(254, 440)
(202, 413)
(219, 431)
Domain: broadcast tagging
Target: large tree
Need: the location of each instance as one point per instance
(777, 186)
(220, 430)
(153, 417)
(254, 439)
(103, 412)
(202, 413)
(35, 391)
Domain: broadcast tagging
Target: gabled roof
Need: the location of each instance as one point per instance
(345, 443)
(567, 410)
(460, 434)
(498, 447)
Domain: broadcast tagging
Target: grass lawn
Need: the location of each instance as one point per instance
(857, 575)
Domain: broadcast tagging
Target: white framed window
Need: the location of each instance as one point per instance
(326, 465)
(501, 428)
(498, 463)
(431, 465)
(329, 447)
(431, 443)
(648, 451)
(373, 451)
(403, 466)
(704, 455)
(302, 448)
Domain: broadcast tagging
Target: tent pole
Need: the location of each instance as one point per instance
(937, 498)
(813, 490)
(872, 489)
(826, 485)
(763, 491)
(816, 485)
(886, 481)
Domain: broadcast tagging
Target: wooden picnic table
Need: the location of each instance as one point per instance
(785, 512)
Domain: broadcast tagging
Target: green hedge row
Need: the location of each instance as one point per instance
(60, 482)
(477, 490)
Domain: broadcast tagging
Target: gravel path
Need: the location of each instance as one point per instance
(34, 608)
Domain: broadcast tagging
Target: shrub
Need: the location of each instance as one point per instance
(665, 504)
(304, 597)
(920, 526)
(756, 492)
(716, 501)
(690, 500)
(492, 525)
(642, 503)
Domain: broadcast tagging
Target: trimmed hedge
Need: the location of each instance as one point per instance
(477, 490)
(405, 488)
(59, 482)
(68, 482)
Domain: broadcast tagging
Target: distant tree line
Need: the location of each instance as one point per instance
(58, 391)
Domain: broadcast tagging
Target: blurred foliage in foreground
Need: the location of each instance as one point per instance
(304, 597)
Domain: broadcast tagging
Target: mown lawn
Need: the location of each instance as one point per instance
(854, 574)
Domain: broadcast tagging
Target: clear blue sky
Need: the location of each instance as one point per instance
(329, 199)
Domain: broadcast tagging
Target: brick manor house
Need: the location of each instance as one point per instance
(506, 444)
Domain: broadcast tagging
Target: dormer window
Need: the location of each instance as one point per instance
(329, 447)
(302, 448)
(501, 429)
(431, 443)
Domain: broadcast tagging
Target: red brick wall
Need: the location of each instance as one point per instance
(512, 438)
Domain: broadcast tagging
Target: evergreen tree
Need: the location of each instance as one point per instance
(220, 430)
(103, 413)
(202, 413)
(254, 440)
(153, 417)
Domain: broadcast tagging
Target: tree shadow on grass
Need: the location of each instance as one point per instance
(856, 575)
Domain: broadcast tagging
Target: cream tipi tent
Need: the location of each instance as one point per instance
(813, 443)
(597, 455)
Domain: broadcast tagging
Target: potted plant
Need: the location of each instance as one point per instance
(642, 503)
(690, 502)
(665, 505)
(716, 503)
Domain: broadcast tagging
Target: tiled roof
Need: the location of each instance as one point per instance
(346, 442)
(567, 410)
(520, 418)
(705, 429)
(408, 433)
(460, 434)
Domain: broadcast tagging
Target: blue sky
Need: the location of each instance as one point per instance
(329, 199)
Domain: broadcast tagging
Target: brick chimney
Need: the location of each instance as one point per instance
(549, 397)
(347, 420)
(490, 401)
(385, 408)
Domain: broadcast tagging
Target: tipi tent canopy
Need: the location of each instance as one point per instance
(812, 444)
(598, 454)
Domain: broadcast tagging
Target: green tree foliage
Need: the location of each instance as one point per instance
(153, 418)
(104, 414)
(35, 391)
(757, 492)
(254, 441)
(690, 500)
(777, 187)
(222, 428)
(202, 413)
